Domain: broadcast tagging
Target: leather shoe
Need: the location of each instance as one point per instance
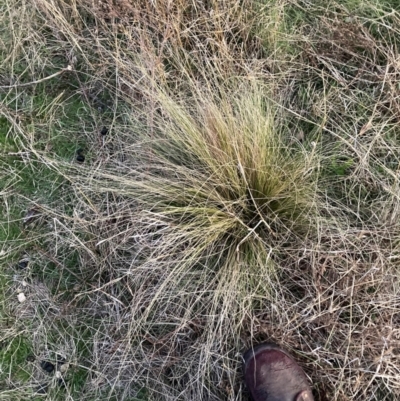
(271, 374)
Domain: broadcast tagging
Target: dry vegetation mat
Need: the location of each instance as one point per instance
(181, 180)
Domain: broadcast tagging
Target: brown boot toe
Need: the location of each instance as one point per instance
(271, 374)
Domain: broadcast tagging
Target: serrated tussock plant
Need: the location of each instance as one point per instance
(216, 176)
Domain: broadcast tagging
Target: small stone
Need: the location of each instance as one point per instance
(47, 366)
(21, 297)
(104, 131)
(64, 367)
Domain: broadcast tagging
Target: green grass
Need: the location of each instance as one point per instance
(14, 355)
(51, 117)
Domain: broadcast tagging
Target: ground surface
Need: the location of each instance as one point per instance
(182, 180)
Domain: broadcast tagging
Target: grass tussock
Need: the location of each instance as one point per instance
(183, 181)
(219, 170)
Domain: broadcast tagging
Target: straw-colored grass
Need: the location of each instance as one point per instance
(245, 189)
